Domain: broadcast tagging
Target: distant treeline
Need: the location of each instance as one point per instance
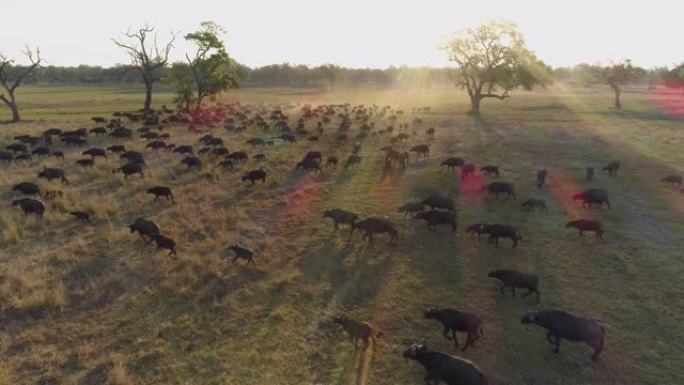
(302, 76)
(275, 75)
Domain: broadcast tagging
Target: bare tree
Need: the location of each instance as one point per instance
(12, 76)
(146, 56)
(617, 75)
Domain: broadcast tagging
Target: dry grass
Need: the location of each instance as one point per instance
(93, 303)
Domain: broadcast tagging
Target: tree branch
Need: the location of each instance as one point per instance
(35, 63)
(500, 97)
(5, 100)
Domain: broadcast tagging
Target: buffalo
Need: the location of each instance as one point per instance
(497, 231)
(535, 203)
(254, 176)
(192, 161)
(340, 216)
(497, 188)
(442, 367)
(238, 156)
(242, 253)
(587, 225)
(81, 216)
(27, 188)
(165, 243)
(358, 331)
(421, 150)
(411, 208)
(161, 191)
(86, 162)
(477, 228)
(353, 161)
(93, 152)
(440, 202)
(457, 321)
(672, 180)
(375, 225)
(438, 217)
(309, 164)
(332, 161)
(144, 227)
(541, 177)
(452, 163)
(183, 149)
(593, 196)
(130, 169)
(513, 279)
(561, 324)
(30, 206)
(490, 170)
(53, 173)
(116, 149)
(6, 156)
(612, 168)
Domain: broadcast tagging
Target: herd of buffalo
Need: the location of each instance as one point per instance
(286, 124)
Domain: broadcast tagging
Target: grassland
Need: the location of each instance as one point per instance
(93, 304)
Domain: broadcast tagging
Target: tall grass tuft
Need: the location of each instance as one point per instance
(11, 225)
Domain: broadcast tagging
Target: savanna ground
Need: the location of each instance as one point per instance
(93, 304)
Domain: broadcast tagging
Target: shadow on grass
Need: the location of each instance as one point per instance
(217, 288)
(545, 107)
(353, 266)
(392, 174)
(94, 272)
(646, 116)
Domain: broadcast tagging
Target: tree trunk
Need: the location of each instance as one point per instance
(618, 103)
(11, 103)
(475, 105)
(148, 98)
(15, 112)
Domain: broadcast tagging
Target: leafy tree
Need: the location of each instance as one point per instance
(492, 60)
(11, 78)
(208, 72)
(146, 56)
(181, 76)
(617, 75)
(585, 74)
(675, 78)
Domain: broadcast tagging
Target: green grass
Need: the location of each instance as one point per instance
(95, 304)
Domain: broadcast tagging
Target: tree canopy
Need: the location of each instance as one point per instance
(674, 78)
(492, 60)
(209, 71)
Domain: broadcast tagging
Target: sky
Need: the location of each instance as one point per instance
(352, 33)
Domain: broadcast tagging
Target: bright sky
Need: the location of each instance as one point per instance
(353, 33)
